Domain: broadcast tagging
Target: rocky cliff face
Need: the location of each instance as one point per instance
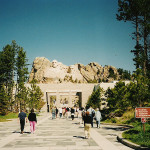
(45, 71)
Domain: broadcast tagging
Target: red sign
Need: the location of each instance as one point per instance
(142, 112)
(143, 120)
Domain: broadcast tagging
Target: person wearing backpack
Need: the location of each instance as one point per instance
(87, 124)
(91, 114)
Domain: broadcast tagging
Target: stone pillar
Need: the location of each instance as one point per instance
(57, 99)
(70, 99)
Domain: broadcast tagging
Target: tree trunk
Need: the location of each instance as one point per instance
(137, 42)
(145, 48)
(137, 47)
(11, 96)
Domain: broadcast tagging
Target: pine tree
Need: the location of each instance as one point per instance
(145, 31)
(116, 99)
(35, 96)
(141, 95)
(3, 100)
(7, 65)
(22, 72)
(128, 10)
(95, 98)
(137, 12)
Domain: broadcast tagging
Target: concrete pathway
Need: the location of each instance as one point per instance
(58, 134)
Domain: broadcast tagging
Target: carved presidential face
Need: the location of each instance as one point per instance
(72, 68)
(54, 63)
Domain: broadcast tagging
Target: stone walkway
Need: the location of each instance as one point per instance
(58, 134)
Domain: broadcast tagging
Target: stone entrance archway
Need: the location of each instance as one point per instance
(66, 98)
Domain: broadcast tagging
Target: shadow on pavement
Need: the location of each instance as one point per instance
(81, 137)
(20, 132)
(116, 128)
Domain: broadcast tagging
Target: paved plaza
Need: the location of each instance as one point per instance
(59, 134)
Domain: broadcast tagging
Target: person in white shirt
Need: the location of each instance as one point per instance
(98, 117)
(60, 112)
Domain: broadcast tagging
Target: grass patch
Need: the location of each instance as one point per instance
(127, 118)
(12, 116)
(8, 116)
(112, 120)
(136, 135)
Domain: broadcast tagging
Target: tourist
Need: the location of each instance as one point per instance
(87, 127)
(83, 114)
(77, 111)
(67, 112)
(64, 111)
(89, 109)
(32, 120)
(98, 117)
(60, 112)
(72, 113)
(22, 117)
(53, 112)
(80, 116)
(91, 113)
(56, 112)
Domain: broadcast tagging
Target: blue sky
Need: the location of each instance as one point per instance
(70, 31)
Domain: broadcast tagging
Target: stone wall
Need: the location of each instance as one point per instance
(86, 89)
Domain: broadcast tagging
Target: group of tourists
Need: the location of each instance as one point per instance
(32, 120)
(65, 112)
(87, 114)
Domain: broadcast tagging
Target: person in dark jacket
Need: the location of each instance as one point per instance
(87, 126)
(22, 116)
(32, 120)
(56, 112)
(72, 113)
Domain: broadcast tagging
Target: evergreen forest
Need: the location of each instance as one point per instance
(14, 95)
